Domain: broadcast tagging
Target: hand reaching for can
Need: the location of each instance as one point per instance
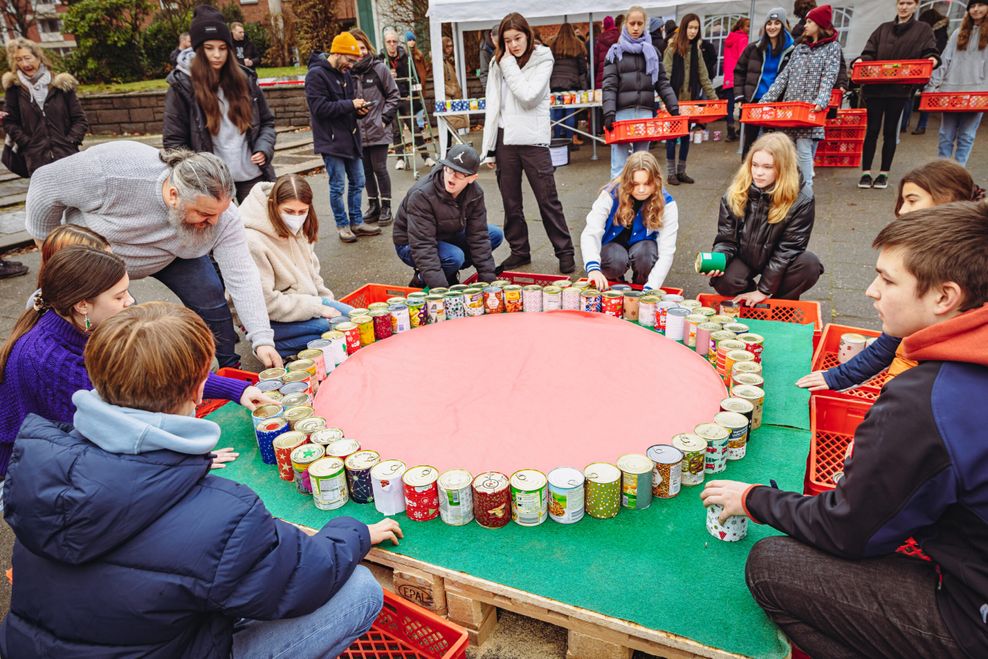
(222, 456)
(728, 494)
(598, 279)
(386, 529)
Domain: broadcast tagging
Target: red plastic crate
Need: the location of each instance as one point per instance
(784, 311)
(660, 127)
(954, 101)
(833, 421)
(703, 112)
(837, 160)
(212, 404)
(406, 631)
(825, 357)
(836, 96)
(792, 114)
(370, 293)
(840, 147)
(846, 133)
(529, 278)
(848, 118)
(892, 72)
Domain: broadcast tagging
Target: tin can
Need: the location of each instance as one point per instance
(513, 302)
(716, 338)
(737, 424)
(673, 297)
(327, 479)
(703, 333)
(265, 412)
(401, 320)
(317, 358)
(352, 336)
(735, 528)
(494, 299)
(342, 448)
(693, 322)
(738, 406)
(265, 386)
(395, 300)
(310, 425)
(298, 398)
(662, 308)
(435, 307)
(417, 314)
(737, 328)
(603, 487)
(474, 105)
(552, 298)
(590, 300)
(456, 497)
(755, 396)
(276, 396)
(300, 366)
(365, 326)
(631, 300)
(358, 478)
(491, 499)
(382, 325)
(750, 379)
(694, 456)
(566, 495)
(724, 347)
(692, 305)
(667, 475)
(421, 493)
(532, 298)
(501, 283)
(729, 308)
(717, 437)
(732, 358)
(386, 485)
(529, 497)
(442, 290)
(296, 414)
(271, 374)
(266, 432)
(325, 436)
(612, 303)
(753, 368)
(851, 345)
(753, 343)
(334, 323)
(636, 481)
(571, 298)
(676, 323)
(375, 306)
(302, 457)
(453, 304)
(458, 288)
(473, 302)
(359, 311)
(283, 446)
(337, 347)
(647, 306)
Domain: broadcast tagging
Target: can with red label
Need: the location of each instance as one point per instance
(283, 446)
(491, 499)
(494, 299)
(716, 436)
(351, 333)
(421, 493)
(753, 343)
(612, 304)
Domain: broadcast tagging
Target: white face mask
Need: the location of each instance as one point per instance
(293, 222)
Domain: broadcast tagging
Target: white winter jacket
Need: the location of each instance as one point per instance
(525, 111)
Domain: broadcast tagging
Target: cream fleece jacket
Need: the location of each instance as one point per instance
(290, 280)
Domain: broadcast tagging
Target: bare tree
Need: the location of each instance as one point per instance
(410, 15)
(18, 16)
(315, 27)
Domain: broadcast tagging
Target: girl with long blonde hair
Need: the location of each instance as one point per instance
(632, 225)
(766, 218)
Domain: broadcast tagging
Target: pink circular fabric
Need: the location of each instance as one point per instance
(521, 390)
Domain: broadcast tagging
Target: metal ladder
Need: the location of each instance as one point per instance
(415, 92)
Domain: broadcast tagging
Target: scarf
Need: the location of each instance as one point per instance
(821, 42)
(642, 45)
(38, 85)
(679, 73)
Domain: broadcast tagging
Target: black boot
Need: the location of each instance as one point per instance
(373, 212)
(385, 219)
(732, 135)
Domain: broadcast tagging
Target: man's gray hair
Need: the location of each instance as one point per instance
(198, 174)
(389, 30)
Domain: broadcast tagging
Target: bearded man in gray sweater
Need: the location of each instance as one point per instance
(164, 214)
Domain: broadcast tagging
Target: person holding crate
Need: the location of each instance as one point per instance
(902, 39)
(633, 224)
(633, 73)
(964, 69)
(810, 76)
(766, 218)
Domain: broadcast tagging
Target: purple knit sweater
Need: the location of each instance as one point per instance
(46, 367)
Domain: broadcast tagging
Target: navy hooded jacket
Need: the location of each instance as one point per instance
(140, 552)
(330, 93)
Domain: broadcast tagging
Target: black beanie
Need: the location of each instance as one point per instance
(208, 24)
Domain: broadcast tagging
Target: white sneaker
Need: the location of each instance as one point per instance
(429, 162)
(400, 164)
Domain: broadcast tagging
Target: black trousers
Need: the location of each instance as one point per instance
(244, 187)
(836, 608)
(615, 259)
(800, 276)
(749, 133)
(378, 181)
(884, 115)
(535, 161)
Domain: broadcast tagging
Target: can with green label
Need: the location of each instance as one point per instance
(636, 481)
(603, 490)
(328, 479)
(529, 497)
(710, 262)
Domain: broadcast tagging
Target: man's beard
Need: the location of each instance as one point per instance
(194, 235)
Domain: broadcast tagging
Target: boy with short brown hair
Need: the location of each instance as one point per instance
(919, 469)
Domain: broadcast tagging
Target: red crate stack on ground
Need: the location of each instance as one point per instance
(844, 141)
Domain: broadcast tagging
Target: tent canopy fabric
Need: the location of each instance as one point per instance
(478, 10)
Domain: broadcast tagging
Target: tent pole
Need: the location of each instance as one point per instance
(438, 79)
(593, 71)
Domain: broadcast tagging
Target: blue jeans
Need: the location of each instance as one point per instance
(343, 171)
(805, 152)
(197, 284)
(454, 252)
(620, 152)
(559, 114)
(326, 632)
(957, 129)
(924, 118)
(291, 338)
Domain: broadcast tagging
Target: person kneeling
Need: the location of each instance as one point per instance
(282, 230)
(633, 224)
(441, 225)
(764, 227)
(143, 552)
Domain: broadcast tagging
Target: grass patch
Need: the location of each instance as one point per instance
(161, 84)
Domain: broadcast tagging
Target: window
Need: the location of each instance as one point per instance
(952, 10)
(715, 30)
(842, 23)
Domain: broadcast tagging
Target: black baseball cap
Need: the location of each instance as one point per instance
(462, 158)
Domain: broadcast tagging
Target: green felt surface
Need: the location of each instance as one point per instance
(657, 567)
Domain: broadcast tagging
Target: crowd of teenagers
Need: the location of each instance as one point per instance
(192, 565)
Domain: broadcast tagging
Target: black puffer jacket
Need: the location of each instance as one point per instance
(766, 248)
(897, 41)
(44, 137)
(627, 86)
(568, 74)
(429, 214)
(185, 124)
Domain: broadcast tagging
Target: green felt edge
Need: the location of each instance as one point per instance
(658, 567)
